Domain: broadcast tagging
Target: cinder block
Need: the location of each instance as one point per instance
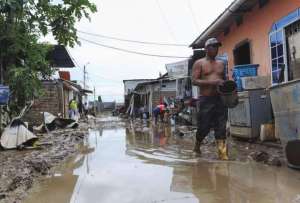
(257, 82)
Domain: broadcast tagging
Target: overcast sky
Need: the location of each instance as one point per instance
(166, 21)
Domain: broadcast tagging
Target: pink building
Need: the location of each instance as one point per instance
(264, 32)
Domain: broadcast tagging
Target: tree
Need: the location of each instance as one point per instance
(22, 58)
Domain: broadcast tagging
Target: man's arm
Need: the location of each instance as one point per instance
(196, 76)
(225, 73)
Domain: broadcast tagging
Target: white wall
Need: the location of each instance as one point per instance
(131, 85)
(169, 86)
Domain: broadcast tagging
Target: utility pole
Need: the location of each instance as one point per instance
(84, 76)
(84, 79)
(95, 100)
(1, 82)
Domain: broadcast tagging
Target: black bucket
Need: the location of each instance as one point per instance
(228, 93)
(292, 152)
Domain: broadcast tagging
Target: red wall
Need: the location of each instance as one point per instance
(256, 27)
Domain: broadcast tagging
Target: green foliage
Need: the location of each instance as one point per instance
(22, 23)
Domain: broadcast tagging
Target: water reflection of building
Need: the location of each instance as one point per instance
(213, 182)
(202, 181)
(225, 182)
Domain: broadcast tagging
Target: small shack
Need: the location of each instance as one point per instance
(149, 94)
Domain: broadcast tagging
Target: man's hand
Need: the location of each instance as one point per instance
(219, 82)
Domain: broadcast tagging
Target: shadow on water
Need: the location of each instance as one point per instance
(151, 164)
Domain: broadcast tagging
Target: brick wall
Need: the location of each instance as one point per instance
(51, 101)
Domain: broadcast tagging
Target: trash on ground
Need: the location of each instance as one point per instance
(52, 122)
(267, 132)
(17, 135)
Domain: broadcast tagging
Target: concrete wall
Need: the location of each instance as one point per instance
(169, 86)
(256, 27)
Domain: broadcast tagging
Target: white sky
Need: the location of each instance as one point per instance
(138, 20)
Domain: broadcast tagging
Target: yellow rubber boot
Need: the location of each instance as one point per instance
(222, 150)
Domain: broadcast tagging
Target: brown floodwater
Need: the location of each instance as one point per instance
(123, 165)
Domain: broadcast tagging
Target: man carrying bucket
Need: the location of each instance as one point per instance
(209, 74)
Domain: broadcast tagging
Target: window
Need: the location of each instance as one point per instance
(277, 56)
(242, 54)
(280, 48)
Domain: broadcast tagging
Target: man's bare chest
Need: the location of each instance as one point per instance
(212, 70)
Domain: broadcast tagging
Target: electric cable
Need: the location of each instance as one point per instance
(129, 40)
(193, 15)
(164, 17)
(130, 51)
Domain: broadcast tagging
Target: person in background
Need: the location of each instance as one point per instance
(141, 112)
(159, 111)
(73, 108)
(208, 74)
(80, 107)
(166, 115)
(85, 109)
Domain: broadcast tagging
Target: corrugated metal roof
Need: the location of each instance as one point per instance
(137, 80)
(60, 57)
(154, 81)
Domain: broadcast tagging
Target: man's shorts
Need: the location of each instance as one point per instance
(211, 114)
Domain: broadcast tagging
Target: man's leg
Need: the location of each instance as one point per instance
(220, 131)
(155, 118)
(204, 119)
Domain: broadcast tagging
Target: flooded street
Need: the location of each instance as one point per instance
(122, 164)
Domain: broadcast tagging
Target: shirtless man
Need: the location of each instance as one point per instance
(208, 74)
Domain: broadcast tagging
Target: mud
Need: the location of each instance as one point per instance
(21, 168)
(135, 161)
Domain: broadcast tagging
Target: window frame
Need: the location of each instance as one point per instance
(282, 29)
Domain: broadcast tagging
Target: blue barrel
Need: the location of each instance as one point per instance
(241, 71)
(4, 94)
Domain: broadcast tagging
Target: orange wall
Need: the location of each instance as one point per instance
(256, 27)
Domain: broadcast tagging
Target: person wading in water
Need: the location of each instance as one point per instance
(208, 74)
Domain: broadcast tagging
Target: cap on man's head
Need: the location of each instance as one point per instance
(212, 41)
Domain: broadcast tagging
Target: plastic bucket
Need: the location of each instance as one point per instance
(228, 93)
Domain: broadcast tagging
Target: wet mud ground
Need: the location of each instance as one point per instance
(21, 168)
(124, 161)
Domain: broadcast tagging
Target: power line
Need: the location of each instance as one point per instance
(164, 17)
(133, 41)
(130, 51)
(193, 15)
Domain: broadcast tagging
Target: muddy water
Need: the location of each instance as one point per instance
(151, 165)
